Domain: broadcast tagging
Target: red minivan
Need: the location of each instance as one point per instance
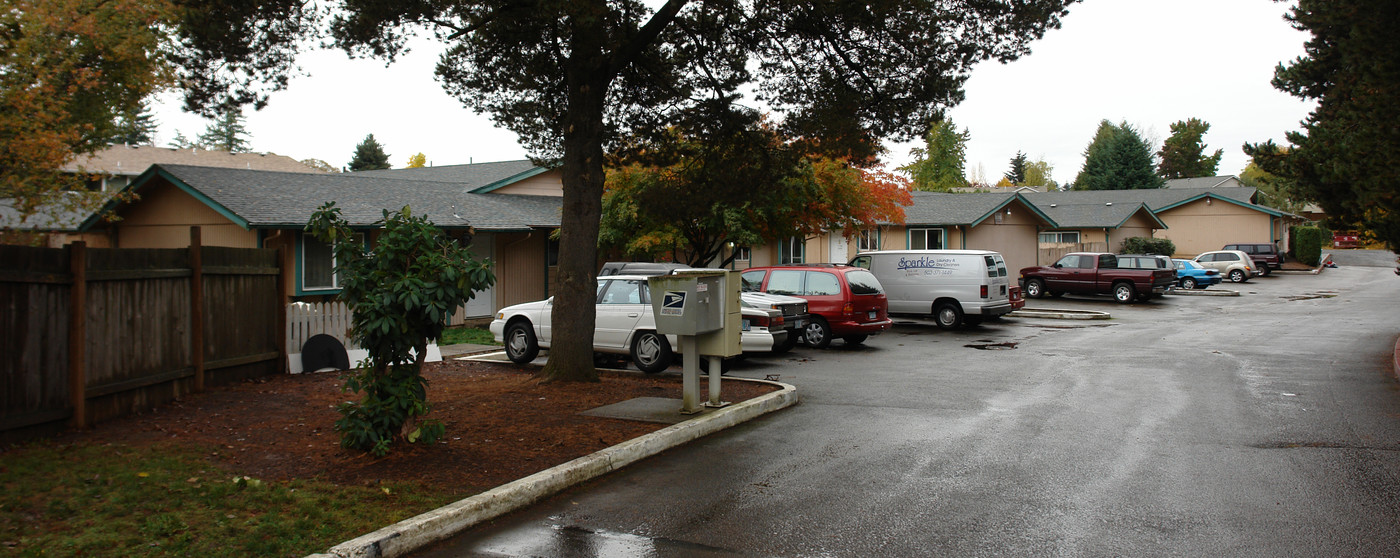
(844, 301)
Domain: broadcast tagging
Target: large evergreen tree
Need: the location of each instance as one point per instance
(1017, 174)
(938, 165)
(135, 126)
(573, 77)
(1183, 154)
(369, 155)
(1347, 158)
(226, 133)
(1117, 159)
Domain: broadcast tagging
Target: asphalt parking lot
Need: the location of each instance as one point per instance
(1266, 424)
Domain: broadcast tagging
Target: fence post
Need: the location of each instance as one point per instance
(77, 334)
(280, 302)
(197, 306)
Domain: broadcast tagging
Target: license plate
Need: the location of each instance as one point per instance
(798, 323)
(745, 325)
(873, 314)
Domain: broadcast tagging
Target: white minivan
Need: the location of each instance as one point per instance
(954, 286)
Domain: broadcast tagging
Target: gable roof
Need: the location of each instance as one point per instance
(265, 199)
(128, 160)
(1159, 199)
(478, 178)
(1098, 216)
(970, 209)
(1227, 181)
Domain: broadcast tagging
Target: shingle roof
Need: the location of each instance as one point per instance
(264, 199)
(1156, 199)
(1097, 216)
(126, 160)
(477, 177)
(1204, 182)
(940, 208)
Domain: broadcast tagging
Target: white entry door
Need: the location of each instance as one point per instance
(484, 303)
(838, 249)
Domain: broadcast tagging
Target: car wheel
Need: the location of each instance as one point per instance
(1124, 292)
(521, 346)
(1237, 276)
(791, 341)
(1035, 288)
(705, 365)
(1264, 271)
(1188, 282)
(948, 315)
(651, 352)
(817, 334)
(855, 339)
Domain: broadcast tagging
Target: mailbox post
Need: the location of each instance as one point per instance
(701, 308)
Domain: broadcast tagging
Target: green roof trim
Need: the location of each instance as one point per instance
(1150, 213)
(146, 178)
(1024, 202)
(1256, 207)
(509, 180)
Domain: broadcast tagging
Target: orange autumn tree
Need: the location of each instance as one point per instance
(68, 70)
(733, 179)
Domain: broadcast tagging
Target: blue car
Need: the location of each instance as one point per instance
(1191, 275)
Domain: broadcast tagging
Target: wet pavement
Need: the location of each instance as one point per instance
(1261, 425)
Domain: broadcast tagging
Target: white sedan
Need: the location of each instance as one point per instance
(624, 326)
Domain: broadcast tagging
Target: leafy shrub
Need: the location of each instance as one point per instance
(1144, 245)
(1307, 244)
(400, 295)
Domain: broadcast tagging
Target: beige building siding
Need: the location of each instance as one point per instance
(1201, 227)
(520, 270)
(549, 183)
(1017, 237)
(163, 219)
(1138, 226)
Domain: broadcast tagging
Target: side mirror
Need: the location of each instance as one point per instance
(1057, 265)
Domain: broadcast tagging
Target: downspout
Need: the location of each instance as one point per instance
(962, 236)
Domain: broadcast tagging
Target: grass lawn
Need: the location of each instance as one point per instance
(474, 335)
(108, 500)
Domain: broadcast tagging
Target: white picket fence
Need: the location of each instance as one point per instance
(305, 319)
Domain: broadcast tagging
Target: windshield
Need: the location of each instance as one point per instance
(862, 282)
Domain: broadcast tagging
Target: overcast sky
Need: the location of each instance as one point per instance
(1147, 62)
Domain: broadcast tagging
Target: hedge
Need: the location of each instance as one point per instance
(1307, 244)
(1144, 245)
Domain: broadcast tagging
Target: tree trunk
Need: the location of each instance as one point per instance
(571, 346)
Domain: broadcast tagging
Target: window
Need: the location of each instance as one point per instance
(742, 254)
(318, 263)
(793, 251)
(868, 240)
(551, 252)
(752, 281)
(821, 283)
(863, 282)
(996, 267)
(786, 282)
(1059, 237)
(925, 239)
(862, 261)
(622, 292)
(1068, 261)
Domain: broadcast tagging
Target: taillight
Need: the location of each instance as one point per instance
(849, 309)
(984, 291)
(778, 321)
(758, 321)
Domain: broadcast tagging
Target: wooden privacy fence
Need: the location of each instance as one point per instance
(88, 335)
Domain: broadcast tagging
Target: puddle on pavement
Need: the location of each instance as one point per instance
(1311, 296)
(993, 346)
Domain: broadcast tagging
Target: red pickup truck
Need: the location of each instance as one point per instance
(1096, 273)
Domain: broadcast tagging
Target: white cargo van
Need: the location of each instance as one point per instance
(954, 286)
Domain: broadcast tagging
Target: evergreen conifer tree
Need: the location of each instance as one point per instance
(226, 133)
(1117, 159)
(369, 155)
(1017, 174)
(135, 127)
(1183, 153)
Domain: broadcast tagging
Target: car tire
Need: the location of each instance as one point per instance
(1188, 282)
(791, 341)
(705, 365)
(1238, 276)
(855, 339)
(651, 352)
(1035, 288)
(948, 315)
(1124, 293)
(817, 334)
(1264, 271)
(521, 345)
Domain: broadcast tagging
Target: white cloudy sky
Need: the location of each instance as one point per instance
(1146, 62)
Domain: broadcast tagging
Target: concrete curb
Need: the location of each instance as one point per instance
(1060, 314)
(1202, 292)
(416, 532)
(1395, 368)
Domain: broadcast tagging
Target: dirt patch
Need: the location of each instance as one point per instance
(502, 424)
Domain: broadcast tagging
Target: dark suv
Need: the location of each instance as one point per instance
(1267, 257)
(843, 301)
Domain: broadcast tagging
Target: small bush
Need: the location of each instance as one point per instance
(1144, 245)
(1307, 244)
